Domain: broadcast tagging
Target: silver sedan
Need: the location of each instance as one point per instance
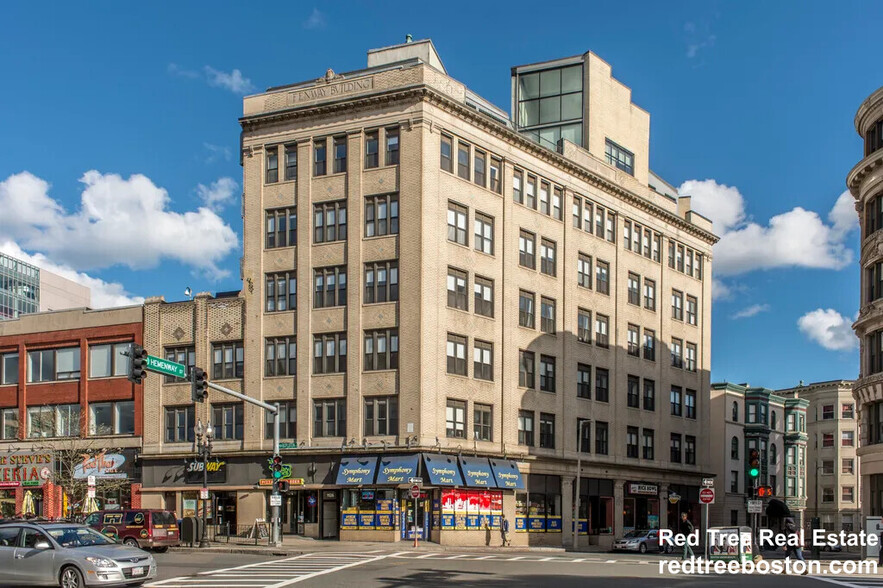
(70, 556)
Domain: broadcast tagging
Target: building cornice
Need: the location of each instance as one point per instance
(861, 170)
(424, 93)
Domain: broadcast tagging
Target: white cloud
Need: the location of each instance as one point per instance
(797, 238)
(119, 221)
(233, 81)
(828, 328)
(104, 294)
(316, 20)
(720, 290)
(176, 70)
(216, 152)
(751, 311)
(843, 216)
(219, 194)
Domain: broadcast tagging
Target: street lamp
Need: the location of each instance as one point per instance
(204, 452)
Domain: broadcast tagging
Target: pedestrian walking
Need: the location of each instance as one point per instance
(686, 529)
(504, 531)
(881, 549)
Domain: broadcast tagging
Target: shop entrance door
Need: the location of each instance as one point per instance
(330, 514)
(415, 513)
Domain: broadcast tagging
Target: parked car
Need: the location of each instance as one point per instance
(66, 555)
(140, 527)
(641, 541)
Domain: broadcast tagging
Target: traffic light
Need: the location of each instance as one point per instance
(198, 384)
(281, 486)
(765, 492)
(276, 467)
(753, 463)
(139, 364)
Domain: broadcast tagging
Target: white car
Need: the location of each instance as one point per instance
(640, 541)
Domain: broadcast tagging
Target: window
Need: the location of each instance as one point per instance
(752, 414)
(677, 359)
(633, 394)
(381, 350)
(496, 174)
(675, 400)
(680, 258)
(456, 350)
(483, 422)
(455, 419)
(602, 277)
(690, 404)
(584, 326)
(517, 181)
(287, 421)
(848, 494)
(774, 456)
(457, 223)
(525, 428)
(847, 438)
(847, 466)
(690, 450)
(457, 297)
(382, 415)
(329, 287)
(281, 227)
(676, 448)
(547, 315)
(827, 494)
(185, 355)
(339, 155)
(584, 271)
(112, 418)
(557, 197)
(691, 310)
(547, 373)
(526, 367)
(484, 296)
(526, 312)
(272, 164)
(735, 415)
(526, 250)
(734, 448)
(619, 157)
(649, 344)
(484, 233)
(551, 98)
(281, 292)
(547, 257)
(381, 282)
(600, 438)
(280, 356)
(602, 384)
(320, 148)
(649, 394)
(9, 428)
(677, 303)
(372, 148)
(531, 192)
(634, 289)
(9, 368)
(463, 160)
(180, 421)
(847, 411)
(329, 418)
(446, 153)
(291, 162)
(547, 430)
(483, 360)
(52, 365)
(649, 294)
(381, 215)
(649, 442)
(690, 357)
(480, 163)
(828, 467)
(109, 360)
(601, 324)
(584, 435)
(329, 353)
(330, 222)
(227, 360)
(634, 347)
(827, 412)
(583, 381)
(392, 146)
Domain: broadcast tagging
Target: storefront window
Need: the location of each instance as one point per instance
(471, 510)
(596, 506)
(7, 503)
(543, 504)
(362, 505)
(640, 507)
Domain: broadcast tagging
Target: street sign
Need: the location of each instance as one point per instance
(275, 500)
(91, 480)
(164, 366)
(708, 482)
(288, 445)
(90, 493)
(706, 496)
(415, 480)
(415, 491)
(755, 506)
(203, 493)
(674, 498)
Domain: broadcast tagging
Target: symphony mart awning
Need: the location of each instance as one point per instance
(442, 470)
(356, 471)
(507, 474)
(477, 472)
(397, 469)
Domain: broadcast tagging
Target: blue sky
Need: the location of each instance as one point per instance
(112, 107)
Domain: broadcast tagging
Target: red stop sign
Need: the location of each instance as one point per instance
(415, 491)
(706, 496)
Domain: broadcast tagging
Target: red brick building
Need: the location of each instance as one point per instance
(67, 410)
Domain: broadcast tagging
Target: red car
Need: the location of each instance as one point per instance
(141, 527)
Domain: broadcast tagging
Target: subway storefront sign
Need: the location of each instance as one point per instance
(25, 469)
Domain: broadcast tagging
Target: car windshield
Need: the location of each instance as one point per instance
(78, 537)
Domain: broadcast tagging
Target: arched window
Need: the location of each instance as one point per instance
(734, 448)
(735, 411)
(773, 420)
(773, 457)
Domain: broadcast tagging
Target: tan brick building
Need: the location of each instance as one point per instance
(427, 288)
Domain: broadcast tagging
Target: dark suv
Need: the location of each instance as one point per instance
(140, 527)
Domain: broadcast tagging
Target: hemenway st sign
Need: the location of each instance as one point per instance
(164, 366)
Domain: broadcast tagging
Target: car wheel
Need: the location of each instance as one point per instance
(161, 549)
(131, 542)
(643, 548)
(71, 577)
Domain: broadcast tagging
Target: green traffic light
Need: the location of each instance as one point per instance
(754, 472)
(277, 475)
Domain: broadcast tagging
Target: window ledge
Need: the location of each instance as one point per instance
(98, 378)
(383, 371)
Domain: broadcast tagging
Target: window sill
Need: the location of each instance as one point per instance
(111, 435)
(375, 237)
(279, 247)
(380, 167)
(9, 385)
(99, 378)
(383, 371)
(278, 182)
(279, 377)
(463, 376)
(380, 302)
(274, 312)
(328, 374)
(55, 381)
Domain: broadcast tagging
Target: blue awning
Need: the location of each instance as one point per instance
(397, 469)
(442, 470)
(507, 474)
(356, 471)
(477, 472)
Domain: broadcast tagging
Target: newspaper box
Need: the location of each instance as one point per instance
(730, 544)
